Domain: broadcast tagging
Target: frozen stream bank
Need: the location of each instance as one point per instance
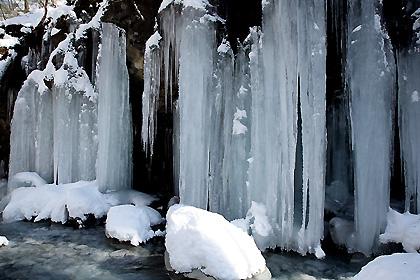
(50, 251)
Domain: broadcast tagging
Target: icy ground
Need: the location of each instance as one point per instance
(51, 251)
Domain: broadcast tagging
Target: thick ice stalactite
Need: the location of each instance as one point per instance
(370, 76)
(291, 63)
(31, 135)
(152, 62)
(114, 113)
(195, 77)
(312, 69)
(409, 109)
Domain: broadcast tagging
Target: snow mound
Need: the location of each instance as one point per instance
(198, 239)
(59, 202)
(3, 241)
(397, 266)
(56, 202)
(132, 223)
(404, 229)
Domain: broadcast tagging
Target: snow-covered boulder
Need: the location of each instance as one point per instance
(404, 229)
(201, 241)
(397, 266)
(3, 241)
(132, 223)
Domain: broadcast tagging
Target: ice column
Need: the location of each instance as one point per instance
(114, 113)
(195, 79)
(370, 76)
(409, 108)
(312, 82)
(31, 130)
(288, 62)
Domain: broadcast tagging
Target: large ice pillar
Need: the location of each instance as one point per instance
(371, 81)
(31, 130)
(195, 78)
(230, 142)
(312, 83)
(114, 113)
(290, 65)
(409, 108)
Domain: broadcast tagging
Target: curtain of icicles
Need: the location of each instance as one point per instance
(236, 120)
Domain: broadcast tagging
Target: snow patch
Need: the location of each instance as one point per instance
(404, 229)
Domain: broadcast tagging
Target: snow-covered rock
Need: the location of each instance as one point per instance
(396, 266)
(404, 229)
(198, 240)
(132, 223)
(3, 241)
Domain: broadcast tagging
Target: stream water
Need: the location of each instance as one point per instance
(51, 251)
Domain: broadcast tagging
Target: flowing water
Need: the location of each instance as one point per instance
(45, 250)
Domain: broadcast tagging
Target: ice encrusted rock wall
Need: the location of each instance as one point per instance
(61, 123)
(236, 118)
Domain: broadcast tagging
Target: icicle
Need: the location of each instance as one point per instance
(114, 113)
(152, 61)
(371, 82)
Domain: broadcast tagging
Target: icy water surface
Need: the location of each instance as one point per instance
(49, 251)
